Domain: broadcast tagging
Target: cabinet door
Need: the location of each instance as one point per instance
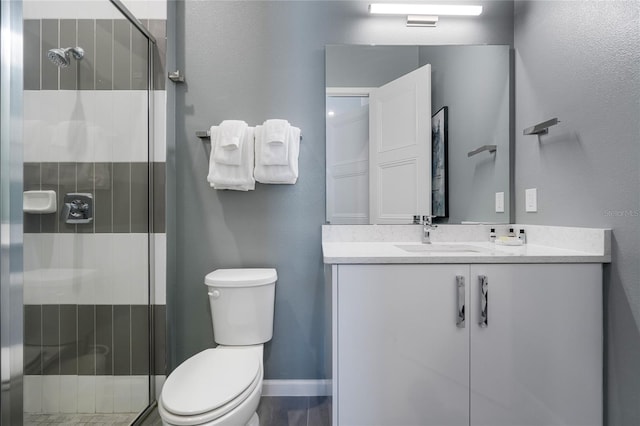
(538, 361)
(401, 358)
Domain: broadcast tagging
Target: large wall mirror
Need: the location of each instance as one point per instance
(416, 130)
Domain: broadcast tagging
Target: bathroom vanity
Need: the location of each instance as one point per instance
(465, 332)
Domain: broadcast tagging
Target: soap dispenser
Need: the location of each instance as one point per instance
(492, 235)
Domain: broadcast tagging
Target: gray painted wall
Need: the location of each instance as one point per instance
(368, 66)
(253, 61)
(580, 62)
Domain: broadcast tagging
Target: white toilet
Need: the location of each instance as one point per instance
(222, 386)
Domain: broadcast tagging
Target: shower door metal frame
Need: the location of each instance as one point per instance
(151, 243)
(11, 264)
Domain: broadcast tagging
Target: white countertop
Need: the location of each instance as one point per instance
(366, 244)
(388, 252)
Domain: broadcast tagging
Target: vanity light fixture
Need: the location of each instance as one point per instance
(421, 21)
(424, 15)
(424, 9)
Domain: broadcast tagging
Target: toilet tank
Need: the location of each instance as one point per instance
(242, 303)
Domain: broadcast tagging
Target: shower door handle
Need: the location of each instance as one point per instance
(484, 301)
(461, 301)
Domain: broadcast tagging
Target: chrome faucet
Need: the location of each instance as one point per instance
(427, 227)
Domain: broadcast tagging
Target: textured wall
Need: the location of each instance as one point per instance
(254, 61)
(580, 62)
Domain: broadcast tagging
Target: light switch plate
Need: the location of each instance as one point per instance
(499, 202)
(531, 200)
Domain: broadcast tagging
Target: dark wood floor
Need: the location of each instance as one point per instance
(283, 411)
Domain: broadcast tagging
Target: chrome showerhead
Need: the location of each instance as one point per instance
(61, 57)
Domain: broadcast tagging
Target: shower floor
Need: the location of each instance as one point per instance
(80, 419)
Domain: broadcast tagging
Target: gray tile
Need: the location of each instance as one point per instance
(140, 197)
(67, 185)
(121, 55)
(159, 208)
(319, 411)
(139, 339)
(68, 38)
(291, 411)
(32, 339)
(103, 197)
(31, 54)
(104, 340)
(86, 340)
(49, 31)
(158, 27)
(49, 179)
(160, 339)
(86, 67)
(104, 54)
(51, 339)
(121, 197)
(139, 60)
(69, 339)
(31, 181)
(84, 184)
(122, 340)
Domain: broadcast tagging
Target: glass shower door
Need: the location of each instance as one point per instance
(87, 245)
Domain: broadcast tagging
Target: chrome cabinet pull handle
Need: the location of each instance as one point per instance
(461, 301)
(484, 301)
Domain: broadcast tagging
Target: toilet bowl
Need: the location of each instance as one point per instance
(222, 386)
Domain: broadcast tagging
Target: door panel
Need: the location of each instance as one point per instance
(539, 360)
(400, 132)
(402, 360)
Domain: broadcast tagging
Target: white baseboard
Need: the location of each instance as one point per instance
(296, 387)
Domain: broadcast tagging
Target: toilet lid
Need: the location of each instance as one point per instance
(209, 379)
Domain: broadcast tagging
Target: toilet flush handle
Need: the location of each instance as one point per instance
(214, 293)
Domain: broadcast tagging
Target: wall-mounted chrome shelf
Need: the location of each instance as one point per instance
(541, 128)
(490, 148)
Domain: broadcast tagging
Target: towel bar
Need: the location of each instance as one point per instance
(206, 134)
(490, 148)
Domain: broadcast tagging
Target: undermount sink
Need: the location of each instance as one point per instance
(439, 248)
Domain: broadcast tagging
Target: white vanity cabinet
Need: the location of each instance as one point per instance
(402, 358)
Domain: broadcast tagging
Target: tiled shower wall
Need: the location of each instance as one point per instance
(87, 286)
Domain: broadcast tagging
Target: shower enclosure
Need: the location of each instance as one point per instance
(86, 297)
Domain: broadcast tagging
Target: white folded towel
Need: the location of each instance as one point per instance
(229, 144)
(275, 148)
(236, 177)
(278, 173)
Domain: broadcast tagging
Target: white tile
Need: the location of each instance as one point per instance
(122, 394)
(32, 126)
(33, 394)
(130, 124)
(147, 9)
(50, 394)
(159, 125)
(49, 119)
(70, 9)
(104, 394)
(105, 268)
(32, 277)
(86, 394)
(68, 394)
(139, 392)
(102, 121)
(159, 383)
(130, 268)
(160, 268)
